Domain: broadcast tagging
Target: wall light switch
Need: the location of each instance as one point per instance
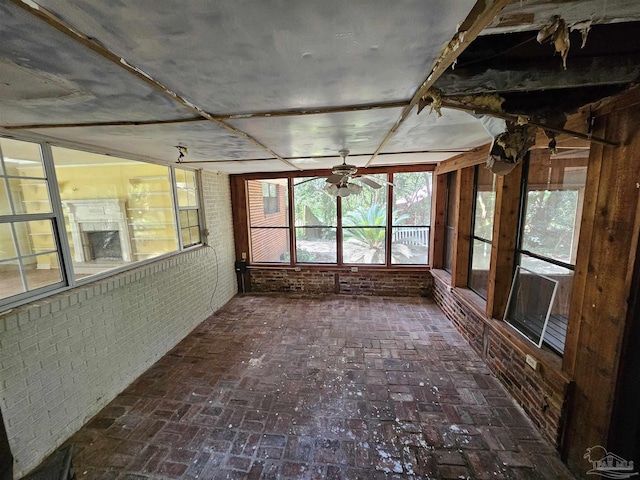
(244, 256)
(532, 362)
(354, 269)
(297, 269)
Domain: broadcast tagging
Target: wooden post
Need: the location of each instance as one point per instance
(602, 282)
(438, 214)
(505, 227)
(462, 236)
(241, 227)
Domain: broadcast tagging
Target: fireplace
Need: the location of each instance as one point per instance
(99, 232)
(104, 245)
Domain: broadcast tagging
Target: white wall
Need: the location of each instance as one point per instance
(64, 358)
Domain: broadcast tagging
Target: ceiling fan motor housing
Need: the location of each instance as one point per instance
(344, 169)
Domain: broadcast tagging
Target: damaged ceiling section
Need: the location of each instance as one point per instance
(527, 72)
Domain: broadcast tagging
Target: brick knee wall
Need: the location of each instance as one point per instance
(543, 393)
(334, 280)
(64, 357)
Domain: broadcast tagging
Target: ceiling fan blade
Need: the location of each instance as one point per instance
(377, 180)
(368, 182)
(305, 181)
(335, 179)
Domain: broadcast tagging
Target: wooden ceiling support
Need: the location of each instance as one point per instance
(131, 123)
(514, 118)
(94, 45)
(231, 116)
(483, 12)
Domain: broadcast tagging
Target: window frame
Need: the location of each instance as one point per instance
(243, 226)
(473, 237)
(56, 216)
(268, 207)
(450, 223)
(519, 251)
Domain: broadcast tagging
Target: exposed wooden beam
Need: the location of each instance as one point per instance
(94, 45)
(468, 159)
(314, 111)
(479, 17)
(514, 118)
(536, 76)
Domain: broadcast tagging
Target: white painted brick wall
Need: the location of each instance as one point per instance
(65, 357)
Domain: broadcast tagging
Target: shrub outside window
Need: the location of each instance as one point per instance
(316, 222)
(364, 225)
(411, 218)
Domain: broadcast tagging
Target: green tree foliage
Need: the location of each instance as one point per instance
(550, 221)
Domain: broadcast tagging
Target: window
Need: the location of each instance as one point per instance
(411, 218)
(189, 214)
(67, 215)
(116, 211)
(550, 226)
(450, 220)
(482, 229)
(360, 229)
(29, 249)
(364, 225)
(269, 232)
(316, 217)
(270, 200)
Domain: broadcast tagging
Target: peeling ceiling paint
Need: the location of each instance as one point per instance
(245, 57)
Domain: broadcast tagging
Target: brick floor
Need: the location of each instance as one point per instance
(334, 387)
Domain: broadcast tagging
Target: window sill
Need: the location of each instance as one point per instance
(342, 268)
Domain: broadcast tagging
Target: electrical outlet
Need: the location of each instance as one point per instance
(354, 269)
(297, 269)
(532, 362)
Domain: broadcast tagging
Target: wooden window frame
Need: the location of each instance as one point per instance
(240, 198)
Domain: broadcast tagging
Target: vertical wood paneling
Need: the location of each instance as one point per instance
(505, 226)
(604, 268)
(438, 214)
(462, 236)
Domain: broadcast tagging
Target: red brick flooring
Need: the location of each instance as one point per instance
(284, 387)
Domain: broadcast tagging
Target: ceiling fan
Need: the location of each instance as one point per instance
(340, 182)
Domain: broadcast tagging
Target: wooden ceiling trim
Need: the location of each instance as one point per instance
(232, 116)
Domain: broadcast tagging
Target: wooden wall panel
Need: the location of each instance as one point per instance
(462, 236)
(505, 226)
(438, 214)
(606, 254)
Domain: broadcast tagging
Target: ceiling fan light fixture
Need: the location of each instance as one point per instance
(344, 191)
(331, 189)
(354, 188)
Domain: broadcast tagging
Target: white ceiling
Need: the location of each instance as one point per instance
(235, 57)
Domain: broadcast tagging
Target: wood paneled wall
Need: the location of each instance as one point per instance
(604, 269)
